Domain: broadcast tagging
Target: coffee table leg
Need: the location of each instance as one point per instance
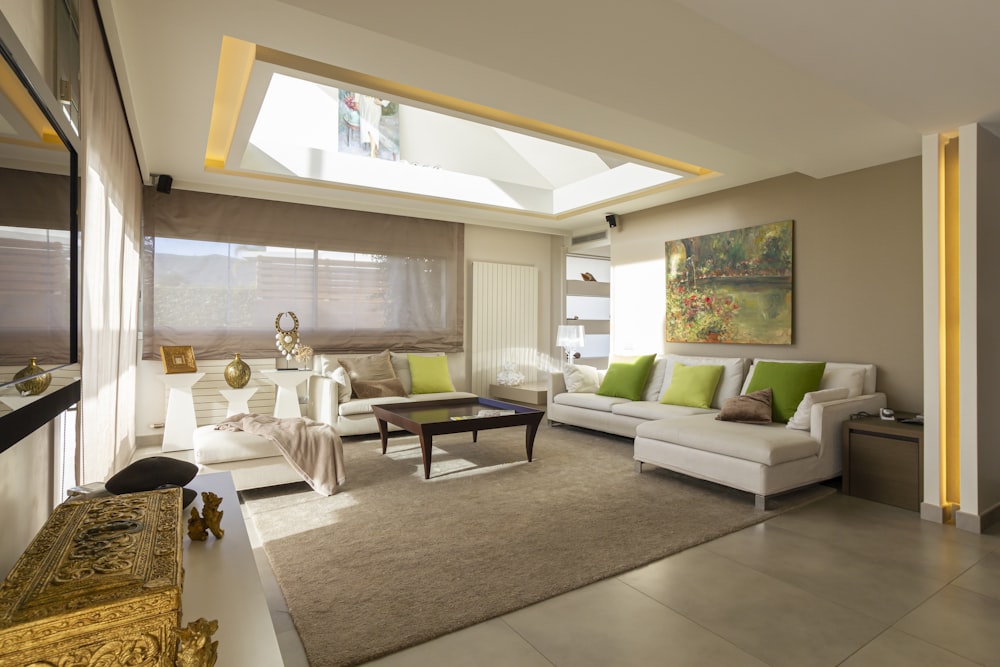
(475, 436)
(426, 442)
(383, 433)
(529, 438)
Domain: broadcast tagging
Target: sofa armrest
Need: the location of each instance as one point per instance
(323, 399)
(556, 385)
(827, 420)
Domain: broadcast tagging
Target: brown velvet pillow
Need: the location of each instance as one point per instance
(752, 408)
(373, 368)
(378, 388)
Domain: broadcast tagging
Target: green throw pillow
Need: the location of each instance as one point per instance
(429, 375)
(789, 382)
(693, 386)
(626, 379)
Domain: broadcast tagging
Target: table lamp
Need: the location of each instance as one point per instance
(570, 337)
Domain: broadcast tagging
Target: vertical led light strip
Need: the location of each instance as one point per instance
(948, 262)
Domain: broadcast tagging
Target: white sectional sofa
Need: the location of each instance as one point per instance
(764, 460)
(330, 401)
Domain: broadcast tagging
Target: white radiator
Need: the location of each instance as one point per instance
(504, 322)
(210, 406)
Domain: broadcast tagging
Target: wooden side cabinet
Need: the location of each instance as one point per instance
(884, 461)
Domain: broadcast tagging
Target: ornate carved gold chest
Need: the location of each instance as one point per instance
(100, 585)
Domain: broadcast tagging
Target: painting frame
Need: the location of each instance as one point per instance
(733, 287)
(178, 359)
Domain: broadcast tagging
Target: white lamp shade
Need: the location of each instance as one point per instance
(570, 335)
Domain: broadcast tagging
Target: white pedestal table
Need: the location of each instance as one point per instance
(180, 422)
(286, 401)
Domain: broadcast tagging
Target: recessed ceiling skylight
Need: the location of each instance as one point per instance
(338, 128)
(312, 131)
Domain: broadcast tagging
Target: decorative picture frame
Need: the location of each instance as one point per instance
(731, 287)
(178, 359)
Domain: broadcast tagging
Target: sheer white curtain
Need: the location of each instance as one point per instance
(111, 212)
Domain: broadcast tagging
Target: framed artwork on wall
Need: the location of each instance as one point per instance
(731, 287)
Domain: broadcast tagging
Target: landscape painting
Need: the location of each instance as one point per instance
(731, 287)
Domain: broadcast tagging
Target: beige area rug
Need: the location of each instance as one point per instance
(393, 560)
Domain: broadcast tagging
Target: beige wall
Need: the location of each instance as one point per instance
(987, 324)
(857, 283)
(26, 492)
(543, 251)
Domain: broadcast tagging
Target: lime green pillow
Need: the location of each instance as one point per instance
(693, 386)
(789, 382)
(429, 375)
(626, 379)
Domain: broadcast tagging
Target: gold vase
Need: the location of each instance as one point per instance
(35, 385)
(237, 373)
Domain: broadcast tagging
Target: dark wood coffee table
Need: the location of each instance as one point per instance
(426, 419)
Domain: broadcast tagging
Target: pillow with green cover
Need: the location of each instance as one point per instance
(626, 379)
(429, 375)
(789, 382)
(692, 386)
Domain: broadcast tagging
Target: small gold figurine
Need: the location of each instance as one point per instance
(197, 648)
(211, 513)
(197, 529)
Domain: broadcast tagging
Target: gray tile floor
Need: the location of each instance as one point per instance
(843, 581)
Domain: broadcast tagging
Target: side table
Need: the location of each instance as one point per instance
(239, 399)
(180, 423)
(884, 461)
(286, 402)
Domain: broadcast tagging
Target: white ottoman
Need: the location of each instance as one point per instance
(252, 460)
(211, 446)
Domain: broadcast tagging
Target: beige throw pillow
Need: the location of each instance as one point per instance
(371, 368)
(752, 408)
(378, 388)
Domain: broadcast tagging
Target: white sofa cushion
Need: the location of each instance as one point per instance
(343, 381)
(589, 401)
(768, 444)
(850, 378)
(581, 379)
(802, 417)
(363, 406)
(654, 385)
(651, 410)
(733, 369)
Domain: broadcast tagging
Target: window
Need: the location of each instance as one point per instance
(354, 287)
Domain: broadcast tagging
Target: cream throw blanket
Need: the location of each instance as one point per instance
(311, 447)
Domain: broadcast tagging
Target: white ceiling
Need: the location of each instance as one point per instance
(750, 90)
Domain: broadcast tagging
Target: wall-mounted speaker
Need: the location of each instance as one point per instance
(612, 220)
(163, 183)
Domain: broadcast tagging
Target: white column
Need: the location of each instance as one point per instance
(180, 422)
(286, 402)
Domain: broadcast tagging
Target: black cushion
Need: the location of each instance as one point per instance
(150, 473)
